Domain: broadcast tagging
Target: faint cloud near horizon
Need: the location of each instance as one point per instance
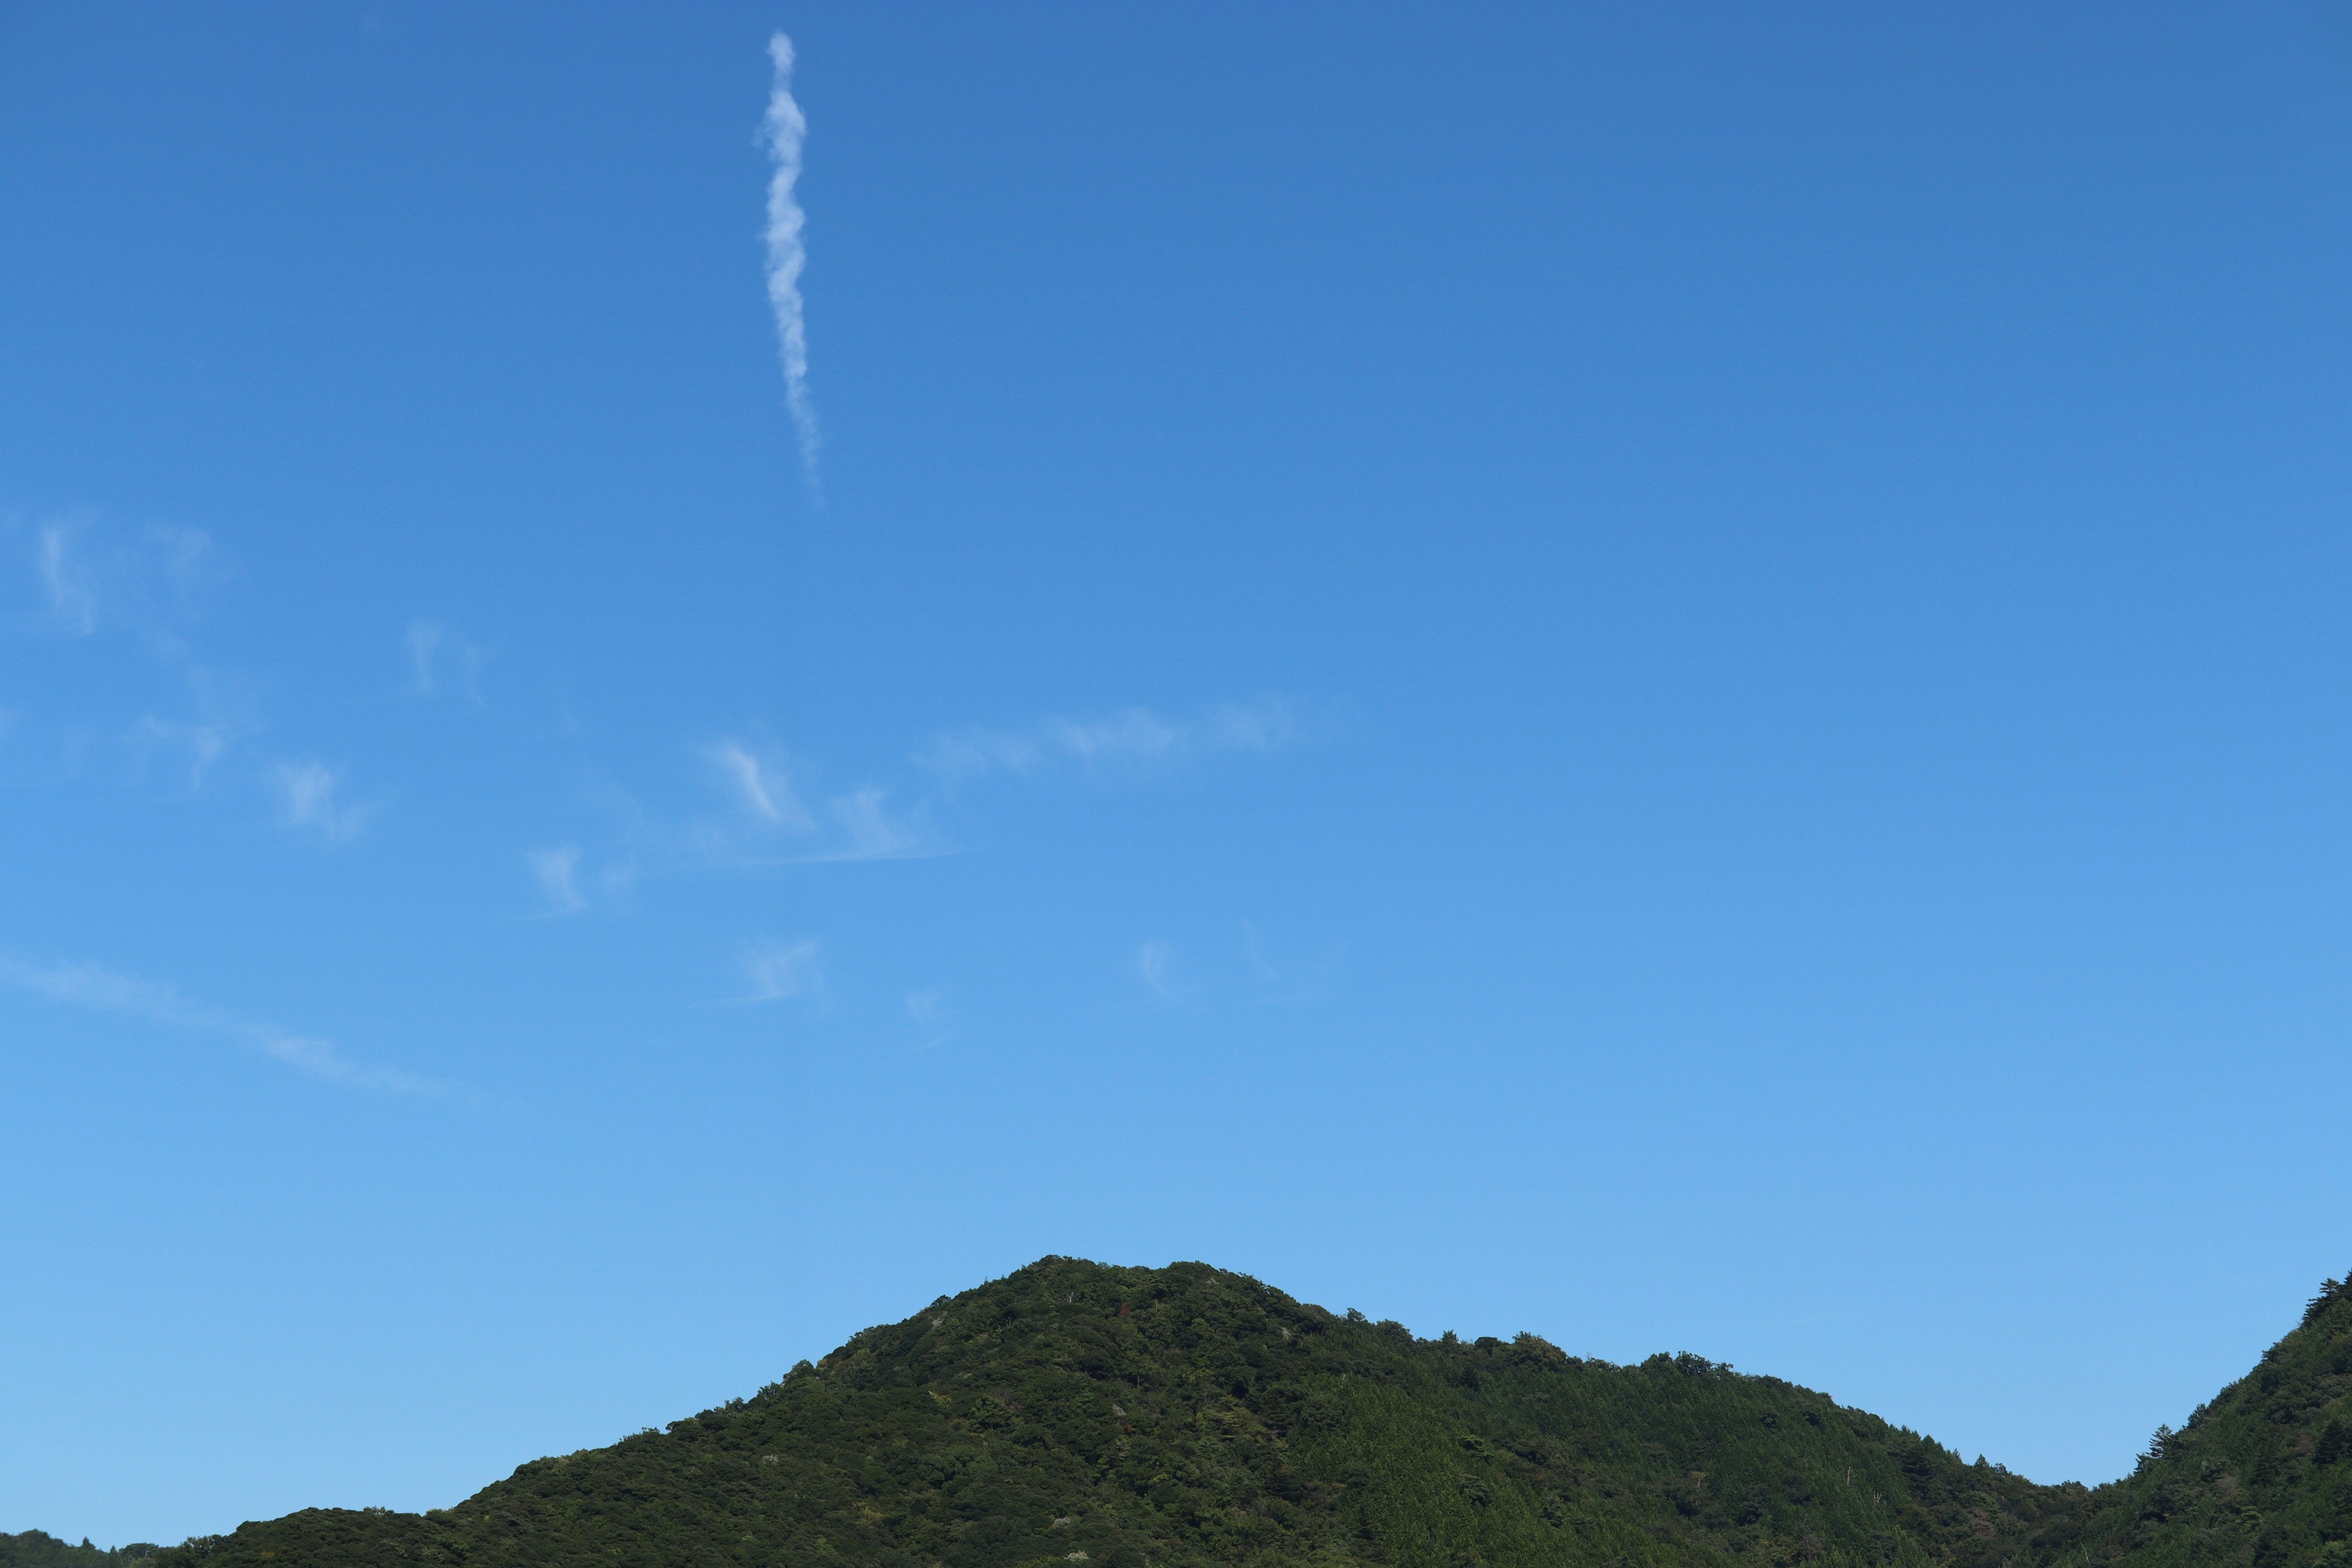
(1135, 737)
(99, 989)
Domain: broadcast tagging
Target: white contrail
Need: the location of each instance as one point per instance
(784, 130)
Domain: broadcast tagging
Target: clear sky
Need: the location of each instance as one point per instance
(1674, 675)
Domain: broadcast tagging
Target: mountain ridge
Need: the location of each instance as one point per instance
(1077, 1413)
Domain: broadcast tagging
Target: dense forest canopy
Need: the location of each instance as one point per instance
(1078, 1413)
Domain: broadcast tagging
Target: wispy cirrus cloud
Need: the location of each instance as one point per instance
(763, 786)
(1136, 737)
(73, 598)
(784, 972)
(147, 580)
(929, 1014)
(1155, 965)
(783, 131)
(220, 716)
(869, 832)
(97, 583)
(439, 659)
(770, 826)
(558, 872)
(856, 825)
(310, 801)
(762, 826)
(200, 743)
(1208, 975)
(1289, 979)
(100, 990)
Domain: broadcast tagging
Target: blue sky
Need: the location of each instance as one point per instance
(1672, 675)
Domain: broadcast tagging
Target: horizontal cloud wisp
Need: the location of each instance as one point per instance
(100, 990)
(1135, 737)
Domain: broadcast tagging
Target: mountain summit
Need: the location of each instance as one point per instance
(1078, 1413)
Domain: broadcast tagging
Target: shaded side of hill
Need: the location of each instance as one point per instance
(2260, 1478)
(1074, 1412)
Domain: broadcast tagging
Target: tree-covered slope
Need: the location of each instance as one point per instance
(35, 1550)
(2261, 1478)
(1115, 1418)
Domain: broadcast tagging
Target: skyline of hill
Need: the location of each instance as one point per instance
(1119, 1418)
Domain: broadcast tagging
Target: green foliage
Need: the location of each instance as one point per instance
(1119, 1418)
(2257, 1478)
(1088, 1417)
(35, 1550)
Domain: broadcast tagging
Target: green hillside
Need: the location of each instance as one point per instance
(1074, 1412)
(35, 1550)
(1077, 1414)
(2262, 1476)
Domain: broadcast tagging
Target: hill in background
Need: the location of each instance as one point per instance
(34, 1549)
(1078, 1413)
(2257, 1477)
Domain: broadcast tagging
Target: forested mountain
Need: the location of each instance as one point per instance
(35, 1549)
(2257, 1477)
(1077, 1413)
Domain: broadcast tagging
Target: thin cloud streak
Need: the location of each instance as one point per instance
(1136, 737)
(785, 129)
(100, 990)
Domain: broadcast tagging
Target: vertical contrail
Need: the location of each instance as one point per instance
(784, 130)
